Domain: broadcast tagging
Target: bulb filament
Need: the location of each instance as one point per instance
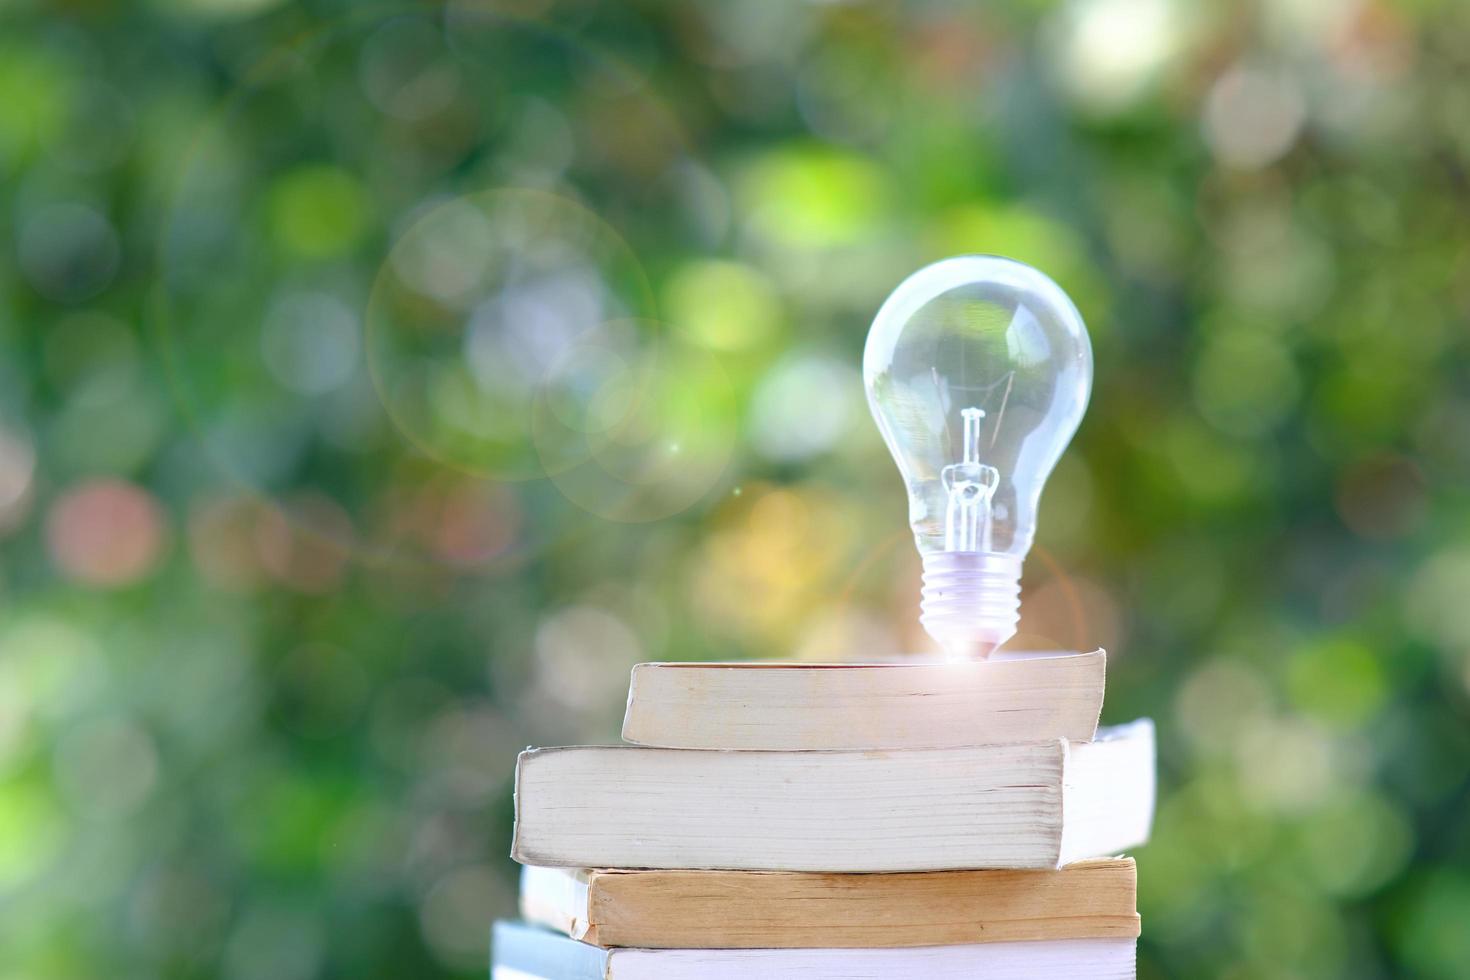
(970, 484)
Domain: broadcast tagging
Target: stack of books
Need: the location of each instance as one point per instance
(837, 821)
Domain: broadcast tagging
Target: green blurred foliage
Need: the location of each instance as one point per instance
(379, 384)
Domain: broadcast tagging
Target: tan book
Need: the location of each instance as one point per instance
(1033, 805)
(1093, 899)
(795, 706)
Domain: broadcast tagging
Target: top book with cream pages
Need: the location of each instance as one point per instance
(788, 706)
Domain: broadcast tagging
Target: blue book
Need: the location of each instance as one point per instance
(522, 952)
(518, 950)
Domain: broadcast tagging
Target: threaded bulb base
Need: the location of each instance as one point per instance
(971, 600)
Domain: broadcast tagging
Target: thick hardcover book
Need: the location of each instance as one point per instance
(1093, 899)
(793, 706)
(1036, 805)
(522, 952)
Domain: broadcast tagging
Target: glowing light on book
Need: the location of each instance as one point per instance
(978, 370)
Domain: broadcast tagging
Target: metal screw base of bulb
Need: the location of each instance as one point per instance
(971, 600)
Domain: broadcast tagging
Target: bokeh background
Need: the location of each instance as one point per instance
(379, 383)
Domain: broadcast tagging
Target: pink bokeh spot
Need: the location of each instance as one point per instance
(105, 533)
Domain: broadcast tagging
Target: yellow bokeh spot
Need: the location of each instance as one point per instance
(813, 197)
(34, 88)
(723, 305)
(772, 560)
(317, 211)
(30, 832)
(1340, 683)
(1021, 233)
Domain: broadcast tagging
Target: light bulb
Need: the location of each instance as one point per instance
(978, 370)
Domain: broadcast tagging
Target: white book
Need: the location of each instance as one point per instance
(1036, 805)
(528, 953)
(794, 706)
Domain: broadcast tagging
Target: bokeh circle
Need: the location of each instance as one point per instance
(366, 314)
(477, 303)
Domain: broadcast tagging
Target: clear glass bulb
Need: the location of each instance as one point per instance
(978, 370)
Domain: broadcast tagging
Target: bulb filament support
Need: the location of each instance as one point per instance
(970, 485)
(972, 594)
